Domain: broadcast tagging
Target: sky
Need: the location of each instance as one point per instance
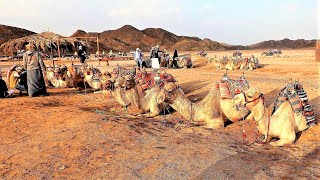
(229, 21)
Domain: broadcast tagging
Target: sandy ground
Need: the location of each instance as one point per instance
(78, 135)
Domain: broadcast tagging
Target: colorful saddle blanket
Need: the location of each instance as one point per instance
(297, 97)
(229, 87)
(147, 80)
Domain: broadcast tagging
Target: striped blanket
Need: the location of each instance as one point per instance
(297, 97)
(230, 87)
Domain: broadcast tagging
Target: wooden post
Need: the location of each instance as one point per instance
(98, 49)
(59, 53)
(51, 55)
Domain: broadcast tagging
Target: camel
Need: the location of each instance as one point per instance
(206, 111)
(107, 84)
(226, 63)
(236, 63)
(92, 78)
(127, 92)
(182, 61)
(74, 76)
(282, 124)
(57, 76)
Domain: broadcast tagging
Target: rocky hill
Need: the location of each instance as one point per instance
(129, 38)
(284, 44)
(10, 32)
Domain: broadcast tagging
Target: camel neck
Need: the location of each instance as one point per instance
(182, 105)
(261, 116)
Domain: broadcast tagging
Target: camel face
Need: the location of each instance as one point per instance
(126, 82)
(166, 93)
(248, 98)
(283, 123)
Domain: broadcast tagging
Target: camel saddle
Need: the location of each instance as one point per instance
(297, 97)
(229, 87)
(121, 71)
(147, 80)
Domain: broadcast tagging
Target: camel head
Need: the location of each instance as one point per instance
(107, 82)
(248, 98)
(167, 93)
(126, 82)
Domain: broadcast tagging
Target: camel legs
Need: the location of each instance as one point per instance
(154, 110)
(214, 123)
(289, 139)
(267, 139)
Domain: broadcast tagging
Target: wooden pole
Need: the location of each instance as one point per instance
(51, 55)
(59, 53)
(98, 47)
(98, 50)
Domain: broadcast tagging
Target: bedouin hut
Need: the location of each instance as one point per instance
(45, 41)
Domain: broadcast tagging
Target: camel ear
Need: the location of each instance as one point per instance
(160, 98)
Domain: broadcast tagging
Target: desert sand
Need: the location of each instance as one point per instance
(75, 134)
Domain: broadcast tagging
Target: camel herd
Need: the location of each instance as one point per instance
(151, 92)
(235, 62)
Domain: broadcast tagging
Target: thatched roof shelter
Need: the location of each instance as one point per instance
(43, 41)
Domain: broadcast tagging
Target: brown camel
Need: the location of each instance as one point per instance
(92, 77)
(206, 111)
(126, 92)
(283, 123)
(57, 76)
(132, 94)
(74, 76)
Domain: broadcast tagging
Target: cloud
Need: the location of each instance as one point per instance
(292, 7)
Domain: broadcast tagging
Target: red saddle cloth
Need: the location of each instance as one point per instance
(147, 79)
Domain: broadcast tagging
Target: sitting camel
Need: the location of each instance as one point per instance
(74, 76)
(182, 61)
(92, 77)
(226, 63)
(57, 76)
(127, 92)
(206, 111)
(282, 124)
(108, 84)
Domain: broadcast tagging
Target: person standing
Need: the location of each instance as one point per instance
(35, 67)
(82, 54)
(175, 54)
(138, 57)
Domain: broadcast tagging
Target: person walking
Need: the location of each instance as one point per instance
(35, 67)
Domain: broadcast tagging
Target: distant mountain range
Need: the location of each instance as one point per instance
(128, 38)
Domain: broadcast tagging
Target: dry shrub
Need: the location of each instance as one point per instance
(318, 51)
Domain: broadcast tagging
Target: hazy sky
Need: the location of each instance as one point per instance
(229, 21)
